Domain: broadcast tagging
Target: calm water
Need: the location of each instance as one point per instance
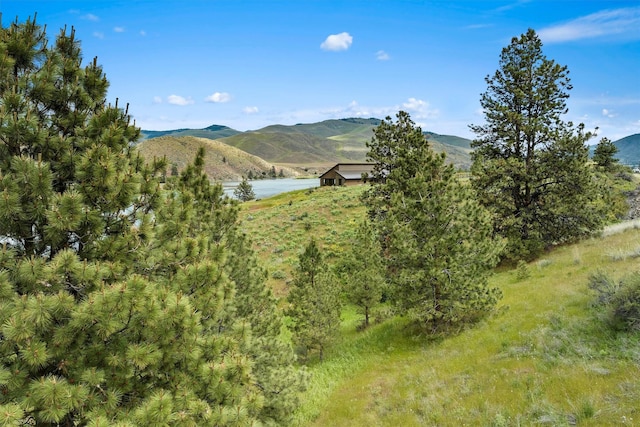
(270, 187)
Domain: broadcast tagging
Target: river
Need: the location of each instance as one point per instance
(270, 187)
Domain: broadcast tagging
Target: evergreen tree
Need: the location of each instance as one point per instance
(437, 241)
(119, 302)
(529, 167)
(314, 301)
(604, 154)
(363, 271)
(244, 191)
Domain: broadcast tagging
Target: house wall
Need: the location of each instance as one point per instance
(350, 169)
(351, 182)
(331, 175)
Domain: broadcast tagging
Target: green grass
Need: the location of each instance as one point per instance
(544, 358)
(282, 225)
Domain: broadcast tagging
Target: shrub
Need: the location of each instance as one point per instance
(279, 275)
(625, 304)
(621, 300)
(603, 286)
(522, 270)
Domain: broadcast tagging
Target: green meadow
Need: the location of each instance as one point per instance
(545, 357)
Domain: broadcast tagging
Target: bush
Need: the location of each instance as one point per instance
(621, 300)
(522, 270)
(603, 286)
(625, 304)
(279, 275)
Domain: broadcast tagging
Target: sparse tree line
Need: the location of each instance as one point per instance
(127, 302)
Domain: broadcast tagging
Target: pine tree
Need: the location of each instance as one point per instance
(118, 301)
(244, 191)
(363, 271)
(529, 167)
(604, 155)
(314, 301)
(437, 241)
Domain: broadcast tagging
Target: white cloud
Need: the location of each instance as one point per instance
(179, 100)
(381, 55)
(118, 29)
(625, 21)
(607, 113)
(250, 110)
(90, 17)
(218, 97)
(157, 100)
(478, 26)
(143, 33)
(513, 5)
(419, 109)
(336, 42)
(98, 35)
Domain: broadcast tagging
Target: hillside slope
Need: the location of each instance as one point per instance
(319, 145)
(546, 357)
(222, 162)
(629, 150)
(210, 132)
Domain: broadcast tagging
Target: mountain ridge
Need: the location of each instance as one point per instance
(314, 145)
(628, 150)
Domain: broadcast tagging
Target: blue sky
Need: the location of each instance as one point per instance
(249, 64)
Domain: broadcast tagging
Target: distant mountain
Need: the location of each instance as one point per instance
(318, 145)
(211, 132)
(629, 150)
(456, 141)
(222, 162)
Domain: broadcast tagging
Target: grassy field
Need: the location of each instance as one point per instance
(546, 357)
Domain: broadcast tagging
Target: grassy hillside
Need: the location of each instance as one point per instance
(545, 358)
(289, 147)
(210, 132)
(222, 162)
(629, 150)
(455, 141)
(317, 145)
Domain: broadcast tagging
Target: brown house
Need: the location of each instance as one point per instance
(346, 174)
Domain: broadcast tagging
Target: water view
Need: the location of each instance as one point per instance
(270, 187)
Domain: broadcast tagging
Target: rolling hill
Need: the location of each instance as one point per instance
(316, 146)
(210, 132)
(222, 162)
(629, 150)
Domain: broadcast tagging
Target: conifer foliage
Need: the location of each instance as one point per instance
(244, 191)
(362, 269)
(436, 240)
(529, 166)
(315, 302)
(121, 303)
(604, 155)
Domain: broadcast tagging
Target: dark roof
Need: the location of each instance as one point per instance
(366, 167)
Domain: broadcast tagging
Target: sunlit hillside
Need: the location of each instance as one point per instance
(222, 162)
